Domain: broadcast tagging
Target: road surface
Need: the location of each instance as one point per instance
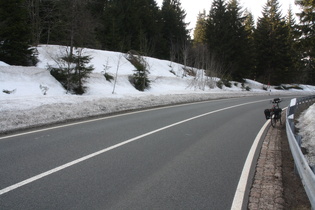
(181, 157)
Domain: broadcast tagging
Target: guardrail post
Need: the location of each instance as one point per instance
(292, 126)
(298, 140)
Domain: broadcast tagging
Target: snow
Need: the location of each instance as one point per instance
(3, 64)
(30, 96)
(306, 125)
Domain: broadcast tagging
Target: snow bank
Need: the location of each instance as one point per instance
(306, 125)
(29, 112)
(3, 64)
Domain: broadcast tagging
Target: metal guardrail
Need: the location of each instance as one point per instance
(301, 165)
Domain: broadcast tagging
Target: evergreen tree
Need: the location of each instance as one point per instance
(200, 29)
(67, 22)
(131, 25)
(15, 34)
(217, 33)
(240, 43)
(295, 57)
(49, 23)
(199, 52)
(78, 24)
(140, 77)
(249, 24)
(228, 39)
(307, 28)
(72, 71)
(34, 20)
(249, 47)
(271, 42)
(174, 32)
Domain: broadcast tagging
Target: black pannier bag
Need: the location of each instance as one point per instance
(267, 113)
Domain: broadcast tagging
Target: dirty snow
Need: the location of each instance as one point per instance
(306, 127)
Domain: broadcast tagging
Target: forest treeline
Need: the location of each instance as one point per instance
(227, 42)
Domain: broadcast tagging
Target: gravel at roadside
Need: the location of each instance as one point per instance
(275, 184)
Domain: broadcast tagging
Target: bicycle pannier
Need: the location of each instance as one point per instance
(267, 113)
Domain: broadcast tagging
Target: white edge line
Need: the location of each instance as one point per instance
(241, 187)
(42, 175)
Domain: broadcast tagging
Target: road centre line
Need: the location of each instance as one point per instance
(54, 170)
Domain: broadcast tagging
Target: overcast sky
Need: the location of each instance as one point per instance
(193, 7)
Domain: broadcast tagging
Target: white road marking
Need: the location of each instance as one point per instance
(241, 187)
(47, 173)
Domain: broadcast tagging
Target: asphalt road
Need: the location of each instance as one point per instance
(181, 157)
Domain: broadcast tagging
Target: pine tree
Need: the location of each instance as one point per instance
(271, 42)
(15, 34)
(307, 28)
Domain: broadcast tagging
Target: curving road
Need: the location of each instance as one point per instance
(181, 157)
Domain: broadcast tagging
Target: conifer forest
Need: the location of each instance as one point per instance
(227, 42)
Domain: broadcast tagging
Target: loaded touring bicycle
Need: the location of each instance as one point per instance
(274, 114)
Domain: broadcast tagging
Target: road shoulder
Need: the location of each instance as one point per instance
(275, 184)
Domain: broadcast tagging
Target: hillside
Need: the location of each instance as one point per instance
(23, 103)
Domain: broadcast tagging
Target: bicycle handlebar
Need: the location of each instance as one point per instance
(276, 100)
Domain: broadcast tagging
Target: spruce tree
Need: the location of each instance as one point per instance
(249, 25)
(174, 30)
(217, 33)
(295, 56)
(15, 34)
(272, 48)
(307, 29)
(72, 71)
(49, 23)
(240, 44)
(131, 25)
(140, 78)
(200, 29)
(228, 39)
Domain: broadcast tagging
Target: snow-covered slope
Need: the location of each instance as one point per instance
(23, 102)
(27, 81)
